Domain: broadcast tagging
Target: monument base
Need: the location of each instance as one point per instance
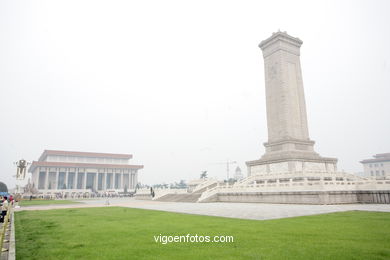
(291, 155)
(290, 165)
(305, 197)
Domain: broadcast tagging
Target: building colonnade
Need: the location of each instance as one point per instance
(86, 178)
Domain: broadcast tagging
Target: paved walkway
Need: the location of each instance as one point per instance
(257, 211)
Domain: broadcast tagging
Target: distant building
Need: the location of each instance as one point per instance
(238, 174)
(70, 173)
(379, 167)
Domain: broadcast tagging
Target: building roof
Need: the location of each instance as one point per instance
(380, 157)
(84, 154)
(81, 165)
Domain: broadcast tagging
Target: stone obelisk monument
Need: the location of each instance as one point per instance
(289, 148)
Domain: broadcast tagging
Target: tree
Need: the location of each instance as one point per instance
(231, 181)
(158, 186)
(182, 184)
(3, 187)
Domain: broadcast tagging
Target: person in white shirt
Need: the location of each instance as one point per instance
(4, 209)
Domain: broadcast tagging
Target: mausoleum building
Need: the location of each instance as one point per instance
(68, 172)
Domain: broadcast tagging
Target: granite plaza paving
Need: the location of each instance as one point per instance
(256, 211)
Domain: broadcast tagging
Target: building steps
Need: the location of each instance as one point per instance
(187, 197)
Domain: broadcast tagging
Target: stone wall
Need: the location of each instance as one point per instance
(143, 196)
(382, 197)
(304, 197)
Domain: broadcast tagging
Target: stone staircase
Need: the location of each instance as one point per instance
(186, 197)
(210, 186)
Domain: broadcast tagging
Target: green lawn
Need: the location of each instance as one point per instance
(44, 202)
(125, 233)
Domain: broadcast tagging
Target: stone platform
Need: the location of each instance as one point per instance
(305, 197)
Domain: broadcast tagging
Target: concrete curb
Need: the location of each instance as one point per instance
(12, 244)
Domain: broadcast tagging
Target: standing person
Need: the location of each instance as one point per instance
(4, 209)
(1, 206)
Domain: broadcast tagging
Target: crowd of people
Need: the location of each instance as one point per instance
(85, 195)
(6, 202)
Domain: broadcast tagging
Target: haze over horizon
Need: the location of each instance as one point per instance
(180, 85)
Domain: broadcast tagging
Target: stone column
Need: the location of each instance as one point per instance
(104, 180)
(47, 179)
(122, 180)
(35, 177)
(107, 177)
(85, 180)
(75, 179)
(119, 180)
(76, 172)
(96, 180)
(57, 175)
(66, 178)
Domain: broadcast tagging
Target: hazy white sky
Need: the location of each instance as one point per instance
(180, 84)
